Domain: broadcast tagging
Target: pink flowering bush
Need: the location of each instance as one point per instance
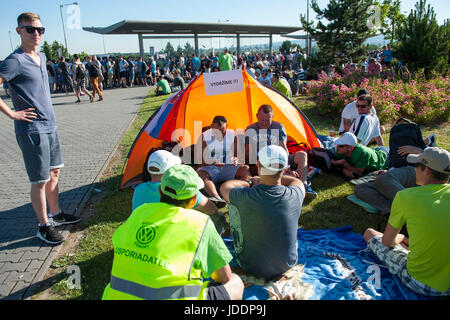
(423, 101)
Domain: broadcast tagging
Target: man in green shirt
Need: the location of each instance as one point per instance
(422, 261)
(281, 86)
(356, 159)
(225, 60)
(162, 86)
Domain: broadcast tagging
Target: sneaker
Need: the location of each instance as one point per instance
(310, 193)
(64, 218)
(432, 140)
(219, 202)
(49, 235)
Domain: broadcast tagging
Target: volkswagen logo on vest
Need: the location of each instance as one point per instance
(145, 234)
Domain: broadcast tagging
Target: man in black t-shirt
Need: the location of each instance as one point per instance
(66, 78)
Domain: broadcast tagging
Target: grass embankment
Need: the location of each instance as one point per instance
(106, 212)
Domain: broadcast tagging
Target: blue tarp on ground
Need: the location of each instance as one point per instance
(339, 266)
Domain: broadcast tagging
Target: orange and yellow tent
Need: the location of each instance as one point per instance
(179, 117)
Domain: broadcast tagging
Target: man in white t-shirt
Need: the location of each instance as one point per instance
(367, 126)
(350, 113)
(219, 163)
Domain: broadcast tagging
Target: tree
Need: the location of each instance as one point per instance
(422, 42)
(188, 50)
(169, 50)
(286, 46)
(179, 50)
(341, 39)
(390, 18)
(52, 51)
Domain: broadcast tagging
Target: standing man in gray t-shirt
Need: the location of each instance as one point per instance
(264, 213)
(35, 125)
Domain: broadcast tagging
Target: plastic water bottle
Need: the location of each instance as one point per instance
(332, 132)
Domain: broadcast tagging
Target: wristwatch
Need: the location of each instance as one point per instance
(250, 182)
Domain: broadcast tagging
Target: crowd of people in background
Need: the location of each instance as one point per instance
(283, 71)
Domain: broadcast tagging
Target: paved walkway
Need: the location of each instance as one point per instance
(89, 135)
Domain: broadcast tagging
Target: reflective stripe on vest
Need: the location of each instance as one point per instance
(144, 292)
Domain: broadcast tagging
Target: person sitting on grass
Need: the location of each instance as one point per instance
(355, 159)
(282, 86)
(219, 163)
(421, 262)
(162, 86)
(165, 250)
(266, 132)
(264, 213)
(158, 163)
(367, 127)
(350, 113)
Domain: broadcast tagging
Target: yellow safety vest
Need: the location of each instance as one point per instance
(154, 252)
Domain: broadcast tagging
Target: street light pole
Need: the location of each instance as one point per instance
(308, 49)
(62, 21)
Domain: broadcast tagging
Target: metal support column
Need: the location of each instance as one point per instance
(197, 53)
(141, 45)
(238, 44)
(270, 44)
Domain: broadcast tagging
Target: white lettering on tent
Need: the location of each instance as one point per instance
(223, 82)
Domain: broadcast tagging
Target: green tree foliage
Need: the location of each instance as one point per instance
(341, 38)
(169, 50)
(286, 46)
(390, 18)
(422, 42)
(188, 50)
(51, 51)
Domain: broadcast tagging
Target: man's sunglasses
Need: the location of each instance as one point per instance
(30, 29)
(361, 106)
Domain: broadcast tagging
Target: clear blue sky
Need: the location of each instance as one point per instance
(102, 13)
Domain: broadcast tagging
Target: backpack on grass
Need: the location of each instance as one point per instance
(403, 133)
(319, 158)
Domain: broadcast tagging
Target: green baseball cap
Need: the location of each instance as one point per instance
(181, 182)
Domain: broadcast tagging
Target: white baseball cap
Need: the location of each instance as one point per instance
(273, 158)
(162, 160)
(346, 138)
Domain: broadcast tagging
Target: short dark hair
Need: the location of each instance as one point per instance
(366, 97)
(266, 108)
(177, 203)
(219, 120)
(27, 16)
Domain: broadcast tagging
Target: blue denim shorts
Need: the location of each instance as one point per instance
(41, 153)
(221, 174)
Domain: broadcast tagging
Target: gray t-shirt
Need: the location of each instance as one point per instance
(29, 88)
(264, 222)
(258, 138)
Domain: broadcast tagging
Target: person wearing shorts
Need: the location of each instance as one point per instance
(421, 262)
(123, 65)
(219, 163)
(35, 125)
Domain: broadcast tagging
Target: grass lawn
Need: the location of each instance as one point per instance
(108, 209)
